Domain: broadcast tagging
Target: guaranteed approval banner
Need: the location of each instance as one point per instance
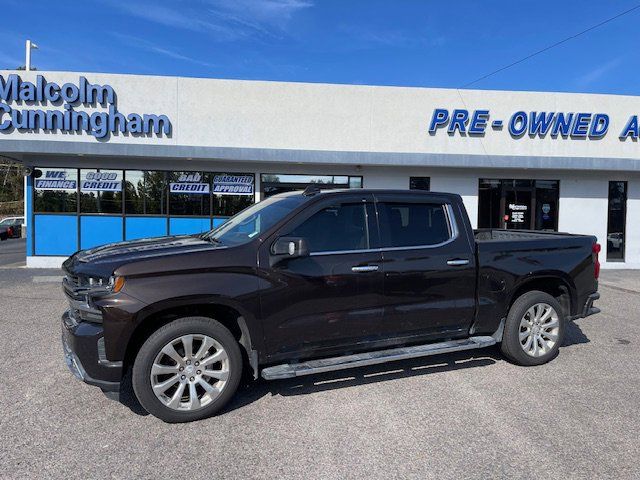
(233, 184)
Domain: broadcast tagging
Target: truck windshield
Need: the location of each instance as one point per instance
(252, 221)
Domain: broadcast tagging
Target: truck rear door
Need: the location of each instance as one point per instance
(429, 266)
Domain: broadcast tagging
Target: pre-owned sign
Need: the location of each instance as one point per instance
(534, 123)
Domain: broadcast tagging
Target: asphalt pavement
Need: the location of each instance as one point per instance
(12, 252)
(467, 415)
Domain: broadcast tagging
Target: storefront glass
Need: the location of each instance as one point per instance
(274, 183)
(616, 221)
(419, 183)
(189, 194)
(120, 205)
(56, 190)
(518, 204)
(145, 192)
(101, 191)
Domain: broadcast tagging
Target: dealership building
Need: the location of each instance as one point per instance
(119, 157)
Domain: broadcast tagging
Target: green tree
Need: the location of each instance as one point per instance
(11, 187)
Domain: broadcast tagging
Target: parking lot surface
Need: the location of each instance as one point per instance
(468, 415)
(12, 252)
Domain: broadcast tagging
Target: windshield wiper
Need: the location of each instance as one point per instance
(213, 240)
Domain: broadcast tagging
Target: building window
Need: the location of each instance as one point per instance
(101, 191)
(274, 183)
(55, 190)
(420, 183)
(616, 221)
(189, 194)
(518, 204)
(145, 192)
(232, 193)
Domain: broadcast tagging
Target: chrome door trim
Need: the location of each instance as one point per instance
(458, 262)
(365, 268)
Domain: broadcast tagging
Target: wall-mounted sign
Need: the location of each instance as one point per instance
(534, 124)
(233, 184)
(189, 183)
(54, 180)
(65, 118)
(101, 182)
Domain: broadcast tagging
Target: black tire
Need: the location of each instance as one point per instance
(511, 346)
(141, 374)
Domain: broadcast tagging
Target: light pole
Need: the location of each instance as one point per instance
(29, 47)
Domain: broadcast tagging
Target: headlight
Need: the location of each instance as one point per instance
(95, 282)
(103, 286)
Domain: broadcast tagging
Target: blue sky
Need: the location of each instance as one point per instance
(394, 42)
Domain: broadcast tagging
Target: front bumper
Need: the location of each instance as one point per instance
(83, 347)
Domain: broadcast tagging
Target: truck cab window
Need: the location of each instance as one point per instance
(413, 224)
(336, 228)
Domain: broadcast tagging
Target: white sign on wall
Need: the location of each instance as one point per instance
(189, 183)
(54, 180)
(233, 184)
(101, 182)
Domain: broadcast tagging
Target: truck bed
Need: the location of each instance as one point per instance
(508, 258)
(495, 234)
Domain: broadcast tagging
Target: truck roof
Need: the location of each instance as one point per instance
(314, 191)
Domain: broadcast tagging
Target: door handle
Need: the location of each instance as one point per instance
(365, 268)
(458, 262)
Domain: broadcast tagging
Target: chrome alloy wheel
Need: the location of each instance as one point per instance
(539, 329)
(189, 372)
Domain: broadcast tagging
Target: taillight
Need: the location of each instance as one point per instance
(10, 231)
(596, 261)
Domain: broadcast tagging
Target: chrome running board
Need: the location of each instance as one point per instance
(290, 370)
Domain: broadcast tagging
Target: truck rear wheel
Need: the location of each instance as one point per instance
(534, 329)
(187, 370)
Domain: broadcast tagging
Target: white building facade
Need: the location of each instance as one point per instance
(117, 157)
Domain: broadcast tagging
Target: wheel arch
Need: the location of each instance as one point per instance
(232, 316)
(557, 284)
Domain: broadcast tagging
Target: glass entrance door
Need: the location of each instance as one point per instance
(518, 205)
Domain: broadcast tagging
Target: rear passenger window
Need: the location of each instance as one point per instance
(413, 224)
(335, 228)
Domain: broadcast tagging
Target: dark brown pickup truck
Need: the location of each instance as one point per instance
(309, 282)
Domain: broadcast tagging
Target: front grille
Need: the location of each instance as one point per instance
(73, 289)
(80, 308)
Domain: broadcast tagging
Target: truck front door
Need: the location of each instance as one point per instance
(332, 297)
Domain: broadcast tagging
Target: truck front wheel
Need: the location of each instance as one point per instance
(534, 329)
(187, 370)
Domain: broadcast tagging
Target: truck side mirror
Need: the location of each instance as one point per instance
(290, 247)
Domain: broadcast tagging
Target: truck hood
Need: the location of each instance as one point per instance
(104, 260)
